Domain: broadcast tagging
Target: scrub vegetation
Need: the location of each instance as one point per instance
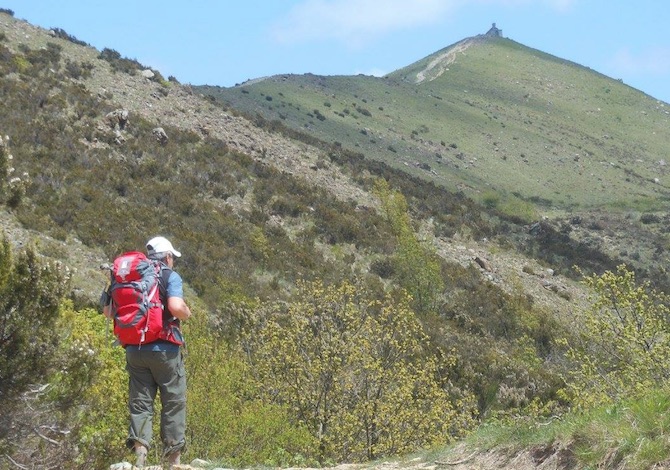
(338, 313)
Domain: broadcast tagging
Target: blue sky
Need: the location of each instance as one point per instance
(224, 42)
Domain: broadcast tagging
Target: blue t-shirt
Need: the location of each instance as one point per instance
(175, 286)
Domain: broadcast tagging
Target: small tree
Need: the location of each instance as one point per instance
(355, 371)
(89, 389)
(623, 343)
(30, 293)
(416, 265)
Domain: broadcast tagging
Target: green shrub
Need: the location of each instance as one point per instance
(78, 70)
(650, 219)
(30, 292)
(623, 346)
(91, 388)
(336, 358)
(20, 64)
(118, 63)
(363, 111)
(47, 57)
(61, 33)
(491, 200)
(517, 209)
(226, 420)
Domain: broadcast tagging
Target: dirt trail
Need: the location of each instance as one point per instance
(440, 64)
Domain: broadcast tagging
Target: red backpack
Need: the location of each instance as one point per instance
(135, 292)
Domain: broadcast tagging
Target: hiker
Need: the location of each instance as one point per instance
(156, 364)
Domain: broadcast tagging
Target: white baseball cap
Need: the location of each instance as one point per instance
(161, 245)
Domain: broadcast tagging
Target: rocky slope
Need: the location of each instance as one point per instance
(182, 108)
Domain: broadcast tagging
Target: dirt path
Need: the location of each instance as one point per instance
(440, 64)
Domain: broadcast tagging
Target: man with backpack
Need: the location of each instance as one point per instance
(145, 298)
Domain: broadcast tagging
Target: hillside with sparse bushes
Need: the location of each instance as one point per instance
(425, 264)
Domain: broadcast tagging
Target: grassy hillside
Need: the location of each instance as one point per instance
(527, 134)
(487, 114)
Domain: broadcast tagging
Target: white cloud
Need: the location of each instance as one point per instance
(654, 61)
(354, 21)
(559, 5)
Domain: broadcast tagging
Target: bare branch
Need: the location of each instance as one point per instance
(16, 464)
(48, 439)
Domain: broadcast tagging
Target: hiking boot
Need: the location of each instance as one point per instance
(141, 454)
(173, 459)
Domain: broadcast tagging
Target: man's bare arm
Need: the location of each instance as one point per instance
(178, 308)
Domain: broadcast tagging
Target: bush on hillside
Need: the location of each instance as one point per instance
(47, 57)
(506, 345)
(61, 33)
(78, 70)
(227, 419)
(354, 369)
(416, 265)
(623, 345)
(30, 292)
(90, 389)
(120, 64)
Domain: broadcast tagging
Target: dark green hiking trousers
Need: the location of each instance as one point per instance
(151, 371)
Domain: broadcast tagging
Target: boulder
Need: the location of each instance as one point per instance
(160, 135)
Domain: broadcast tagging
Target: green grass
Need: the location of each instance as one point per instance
(543, 136)
(634, 434)
(504, 117)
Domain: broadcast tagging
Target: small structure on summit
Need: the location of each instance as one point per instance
(495, 32)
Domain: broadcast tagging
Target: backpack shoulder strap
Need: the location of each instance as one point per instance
(163, 277)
